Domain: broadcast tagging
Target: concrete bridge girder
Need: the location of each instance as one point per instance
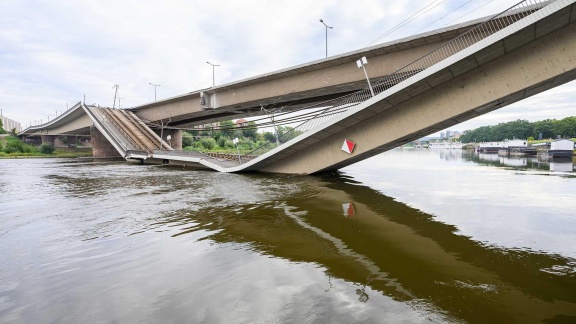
(470, 89)
(78, 123)
(300, 86)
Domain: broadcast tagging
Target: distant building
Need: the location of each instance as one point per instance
(9, 124)
(241, 122)
(442, 135)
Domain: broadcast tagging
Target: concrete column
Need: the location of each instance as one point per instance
(175, 140)
(48, 139)
(101, 148)
(72, 140)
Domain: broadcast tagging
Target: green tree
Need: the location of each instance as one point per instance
(187, 139)
(286, 133)
(549, 128)
(2, 131)
(251, 131)
(566, 127)
(227, 128)
(268, 136)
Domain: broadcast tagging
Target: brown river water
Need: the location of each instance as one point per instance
(408, 236)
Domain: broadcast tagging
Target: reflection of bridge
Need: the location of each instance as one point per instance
(390, 247)
(486, 66)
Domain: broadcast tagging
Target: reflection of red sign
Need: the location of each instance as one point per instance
(348, 146)
(348, 210)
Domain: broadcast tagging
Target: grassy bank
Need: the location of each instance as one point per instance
(13, 147)
(59, 152)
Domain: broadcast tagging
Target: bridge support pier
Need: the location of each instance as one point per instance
(101, 148)
(175, 138)
(48, 139)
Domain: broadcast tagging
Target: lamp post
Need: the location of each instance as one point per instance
(115, 94)
(154, 85)
(213, 80)
(361, 62)
(322, 21)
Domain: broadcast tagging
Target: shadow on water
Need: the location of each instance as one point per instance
(367, 238)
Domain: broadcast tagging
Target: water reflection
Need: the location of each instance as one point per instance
(159, 243)
(528, 162)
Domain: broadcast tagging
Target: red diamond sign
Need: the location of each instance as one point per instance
(348, 210)
(348, 146)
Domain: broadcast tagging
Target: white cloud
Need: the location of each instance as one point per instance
(53, 53)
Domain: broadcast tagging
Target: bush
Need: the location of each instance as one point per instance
(222, 141)
(46, 149)
(187, 140)
(208, 143)
(246, 144)
(229, 144)
(14, 145)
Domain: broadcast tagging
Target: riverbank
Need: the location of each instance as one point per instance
(59, 152)
(12, 147)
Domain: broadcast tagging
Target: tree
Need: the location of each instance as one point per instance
(2, 131)
(187, 139)
(286, 133)
(268, 136)
(251, 131)
(227, 128)
(549, 128)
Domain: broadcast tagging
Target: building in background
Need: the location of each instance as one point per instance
(9, 124)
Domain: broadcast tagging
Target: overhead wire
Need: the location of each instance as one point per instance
(393, 29)
(403, 23)
(427, 8)
(466, 14)
(435, 21)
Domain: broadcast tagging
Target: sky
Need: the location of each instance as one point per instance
(53, 53)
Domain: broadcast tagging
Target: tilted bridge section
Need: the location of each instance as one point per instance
(521, 52)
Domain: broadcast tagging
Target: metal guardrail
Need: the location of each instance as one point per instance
(461, 42)
(178, 153)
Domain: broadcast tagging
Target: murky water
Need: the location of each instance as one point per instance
(405, 237)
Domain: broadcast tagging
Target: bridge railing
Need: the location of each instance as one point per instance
(102, 120)
(121, 128)
(448, 49)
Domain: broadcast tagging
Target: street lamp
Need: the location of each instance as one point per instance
(361, 62)
(115, 94)
(322, 21)
(213, 65)
(154, 85)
